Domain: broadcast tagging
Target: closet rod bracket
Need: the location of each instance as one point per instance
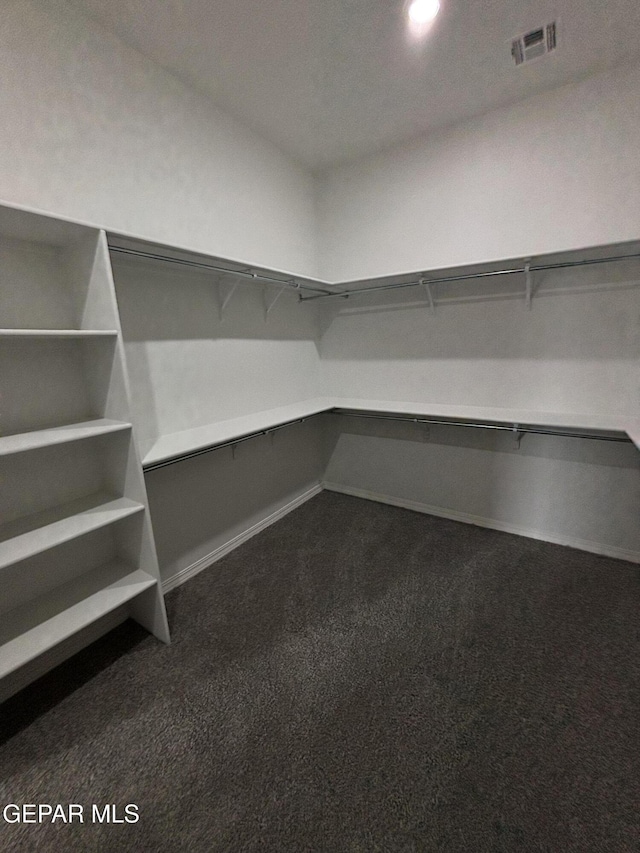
(517, 435)
(527, 275)
(224, 301)
(268, 305)
(427, 286)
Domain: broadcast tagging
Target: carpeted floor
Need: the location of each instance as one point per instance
(355, 678)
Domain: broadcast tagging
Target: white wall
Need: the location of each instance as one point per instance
(555, 172)
(190, 368)
(571, 491)
(94, 131)
(576, 351)
(202, 506)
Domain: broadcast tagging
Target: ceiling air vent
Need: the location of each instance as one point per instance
(535, 43)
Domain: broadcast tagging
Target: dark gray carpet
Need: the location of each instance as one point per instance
(355, 678)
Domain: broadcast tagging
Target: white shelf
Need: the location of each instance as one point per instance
(190, 440)
(182, 443)
(42, 531)
(57, 333)
(63, 380)
(560, 420)
(35, 439)
(37, 626)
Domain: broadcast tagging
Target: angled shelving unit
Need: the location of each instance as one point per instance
(76, 546)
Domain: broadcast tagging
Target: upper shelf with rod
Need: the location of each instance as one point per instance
(522, 273)
(132, 248)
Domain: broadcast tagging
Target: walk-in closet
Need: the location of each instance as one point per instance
(319, 426)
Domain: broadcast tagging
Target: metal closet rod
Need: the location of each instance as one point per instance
(257, 277)
(516, 429)
(345, 294)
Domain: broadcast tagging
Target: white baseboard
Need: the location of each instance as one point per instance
(204, 562)
(570, 541)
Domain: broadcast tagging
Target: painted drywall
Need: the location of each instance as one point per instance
(94, 131)
(575, 492)
(203, 506)
(189, 366)
(557, 171)
(577, 350)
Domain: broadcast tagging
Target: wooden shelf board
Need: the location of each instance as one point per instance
(57, 333)
(174, 445)
(25, 537)
(23, 441)
(37, 626)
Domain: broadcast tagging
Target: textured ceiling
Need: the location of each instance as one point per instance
(331, 80)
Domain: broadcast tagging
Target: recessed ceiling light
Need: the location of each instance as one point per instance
(423, 11)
